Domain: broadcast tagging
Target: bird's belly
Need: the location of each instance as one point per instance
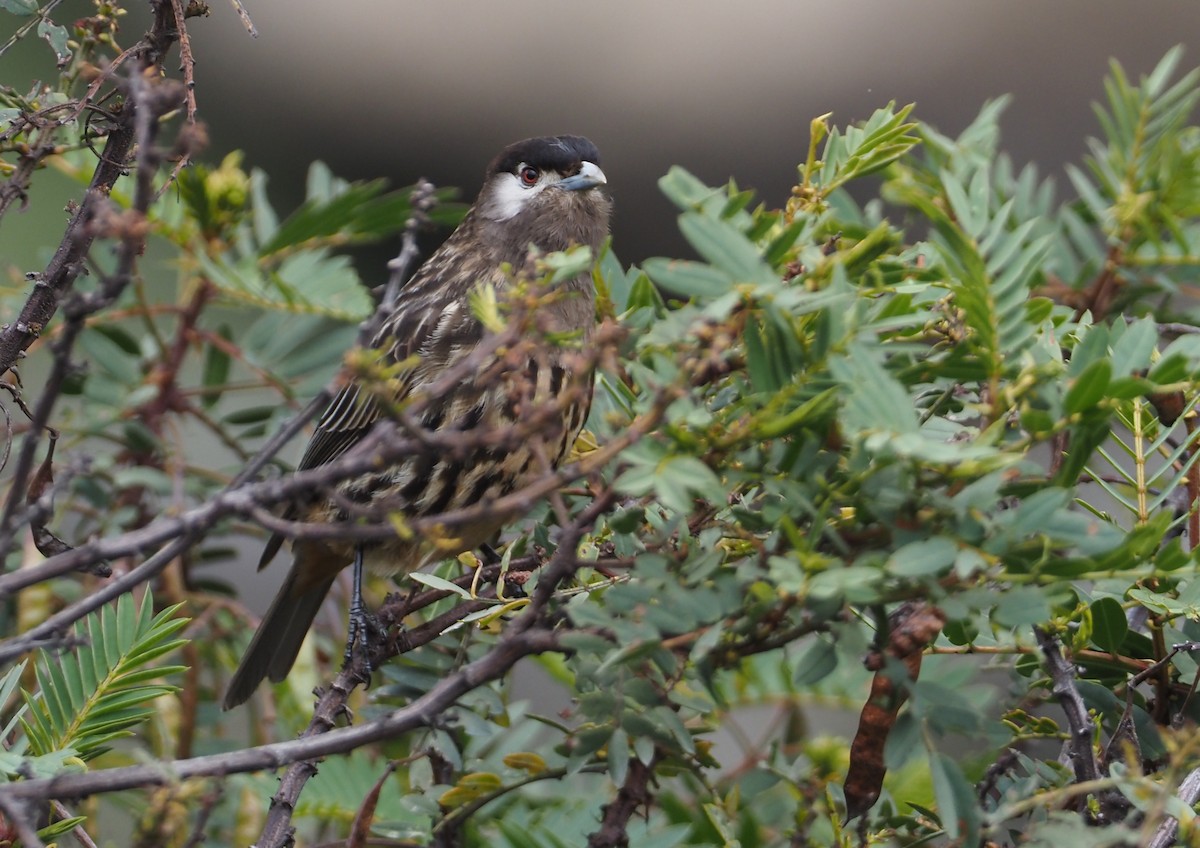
(485, 469)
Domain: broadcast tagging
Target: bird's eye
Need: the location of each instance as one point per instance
(529, 175)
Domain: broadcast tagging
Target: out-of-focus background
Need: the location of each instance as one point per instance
(409, 89)
(404, 89)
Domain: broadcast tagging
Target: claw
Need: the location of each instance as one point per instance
(363, 627)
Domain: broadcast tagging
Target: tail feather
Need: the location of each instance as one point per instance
(296, 626)
(277, 641)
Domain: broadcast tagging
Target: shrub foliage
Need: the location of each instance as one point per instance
(918, 449)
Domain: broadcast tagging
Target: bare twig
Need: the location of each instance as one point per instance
(25, 28)
(246, 22)
(633, 795)
(1062, 677)
(60, 274)
(81, 835)
(1189, 793)
(41, 147)
(1083, 757)
(361, 826)
(277, 829)
(400, 268)
(17, 812)
(187, 63)
(511, 648)
(199, 827)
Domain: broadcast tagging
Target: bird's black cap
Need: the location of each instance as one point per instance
(562, 153)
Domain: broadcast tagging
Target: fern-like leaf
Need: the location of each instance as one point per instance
(97, 694)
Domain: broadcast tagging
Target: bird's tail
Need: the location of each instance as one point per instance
(277, 641)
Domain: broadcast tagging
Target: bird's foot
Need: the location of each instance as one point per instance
(365, 629)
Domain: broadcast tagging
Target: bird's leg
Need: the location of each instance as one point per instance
(362, 624)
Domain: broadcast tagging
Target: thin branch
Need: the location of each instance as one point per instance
(1083, 756)
(1189, 794)
(187, 63)
(277, 830)
(510, 649)
(633, 795)
(81, 835)
(24, 29)
(17, 812)
(422, 199)
(60, 274)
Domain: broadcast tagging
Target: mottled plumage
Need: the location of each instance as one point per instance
(541, 193)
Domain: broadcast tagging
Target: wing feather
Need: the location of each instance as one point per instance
(437, 336)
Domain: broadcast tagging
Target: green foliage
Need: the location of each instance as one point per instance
(963, 392)
(103, 690)
(16, 760)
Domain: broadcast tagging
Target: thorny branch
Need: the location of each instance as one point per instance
(1084, 761)
(51, 285)
(530, 633)
(384, 445)
(147, 102)
(533, 620)
(516, 644)
(633, 795)
(1189, 793)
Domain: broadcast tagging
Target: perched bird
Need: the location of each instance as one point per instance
(541, 194)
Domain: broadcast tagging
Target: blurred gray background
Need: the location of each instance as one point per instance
(409, 89)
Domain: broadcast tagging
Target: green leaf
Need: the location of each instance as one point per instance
(111, 357)
(957, 806)
(875, 400)
(440, 583)
(725, 248)
(817, 661)
(689, 279)
(328, 212)
(1021, 607)
(1132, 349)
(19, 7)
(266, 222)
(618, 756)
(1109, 625)
(217, 363)
(1088, 389)
(684, 190)
(57, 37)
(311, 282)
(251, 415)
(98, 694)
(925, 557)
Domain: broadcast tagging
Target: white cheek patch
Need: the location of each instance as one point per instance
(508, 196)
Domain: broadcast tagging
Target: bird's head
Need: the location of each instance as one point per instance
(545, 192)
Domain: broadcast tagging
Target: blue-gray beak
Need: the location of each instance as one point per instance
(589, 176)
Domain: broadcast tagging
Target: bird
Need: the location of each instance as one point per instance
(539, 196)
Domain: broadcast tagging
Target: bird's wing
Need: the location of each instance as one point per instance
(436, 336)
